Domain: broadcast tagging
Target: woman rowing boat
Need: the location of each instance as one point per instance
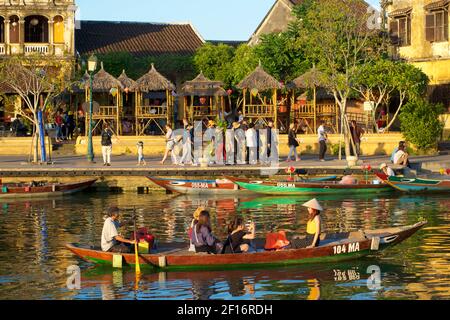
(313, 227)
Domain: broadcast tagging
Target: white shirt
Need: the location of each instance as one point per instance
(390, 172)
(398, 155)
(321, 133)
(169, 135)
(109, 232)
(250, 136)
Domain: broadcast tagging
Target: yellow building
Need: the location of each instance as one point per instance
(420, 31)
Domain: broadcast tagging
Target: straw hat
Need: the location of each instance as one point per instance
(313, 204)
(211, 123)
(236, 125)
(383, 165)
(198, 211)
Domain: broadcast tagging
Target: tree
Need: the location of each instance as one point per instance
(37, 82)
(244, 62)
(334, 35)
(215, 61)
(420, 123)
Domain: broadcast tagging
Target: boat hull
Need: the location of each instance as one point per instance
(416, 185)
(309, 188)
(47, 191)
(339, 250)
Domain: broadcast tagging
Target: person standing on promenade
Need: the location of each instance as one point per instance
(140, 150)
(252, 143)
(186, 157)
(293, 143)
(106, 144)
(170, 143)
(59, 124)
(323, 137)
(357, 133)
(269, 138)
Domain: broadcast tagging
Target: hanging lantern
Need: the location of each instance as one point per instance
(34, 22)
(127, 90)
(202, 100)
(113, 92)
(229, 92)
(254, 92)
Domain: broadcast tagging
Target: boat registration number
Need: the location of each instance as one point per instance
(200, 185)
(285, 185)
(346, 248)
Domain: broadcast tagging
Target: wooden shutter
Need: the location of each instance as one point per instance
(446, 13)
(393, 30)
(429, 27)
(402, 31)
(408, 26)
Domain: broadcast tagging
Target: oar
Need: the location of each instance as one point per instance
(136, 251)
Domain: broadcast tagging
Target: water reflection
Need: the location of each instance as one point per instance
(34, 234)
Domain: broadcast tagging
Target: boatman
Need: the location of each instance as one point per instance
(387, 170)
(111, 240)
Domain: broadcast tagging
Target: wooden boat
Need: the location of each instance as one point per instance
(309, 187)
(218, 186)
(334, 247)
(41, 189)
(415, 184)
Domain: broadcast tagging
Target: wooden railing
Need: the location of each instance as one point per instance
(256, 110)
(2, 48)
(30, 48)
(151, 111)
(200, 111)
(106, 111)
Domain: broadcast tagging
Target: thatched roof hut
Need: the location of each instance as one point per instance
(103, 81)
(126, 82)
(261, 80)
(153, 81)
(202, 86)
(310, 79)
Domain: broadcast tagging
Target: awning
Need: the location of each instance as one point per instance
(400, 12)
(437, 5)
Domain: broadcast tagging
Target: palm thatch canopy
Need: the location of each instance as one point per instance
(153, 81)
(126, 82)
(310, 79)
(202, 86)
(103, 81)
(261, 80)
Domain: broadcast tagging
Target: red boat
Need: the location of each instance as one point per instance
(41, 189)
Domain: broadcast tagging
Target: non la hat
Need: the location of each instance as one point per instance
(383, 165)
(236, 125)
(313, 204)
(198, 211)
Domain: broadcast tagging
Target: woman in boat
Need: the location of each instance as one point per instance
(202, 238)
(239, 237)
(387, 170)
(194, 221)
(313, 228)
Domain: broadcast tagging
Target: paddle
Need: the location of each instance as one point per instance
(136, 251)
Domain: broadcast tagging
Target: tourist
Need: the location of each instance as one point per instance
(211, 141)
(18, 128)
(70, 123)
(323, 137)
(140, 151)
(401, 157)
(81, 121)
(59, 124)
(111, 240)
(252, 143)
(269, 132)
(65, 125)
(356, 134)
(401, 143)
(194, 221)
(314, 225)
(202, 238)
(106, 144)
(186, 157)
(240, 145)
(239, 237)
(230, 144)
(293, 143)
(170, 143)
(387, 170)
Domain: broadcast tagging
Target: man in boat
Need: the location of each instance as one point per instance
(387, 170)
(111, 240)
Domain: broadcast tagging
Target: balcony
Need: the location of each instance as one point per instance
(32, 48)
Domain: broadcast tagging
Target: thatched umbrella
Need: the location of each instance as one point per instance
(104, 82)
(126, 82)
(260, 80)
(153, 81)
(202, 86)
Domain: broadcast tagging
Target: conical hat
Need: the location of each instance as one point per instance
(313, 204)
(198, 211)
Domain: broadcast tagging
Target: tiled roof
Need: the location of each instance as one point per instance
(400, 12)
(437, 5)
(140, 39)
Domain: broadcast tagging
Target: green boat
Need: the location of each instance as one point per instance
(310, 188)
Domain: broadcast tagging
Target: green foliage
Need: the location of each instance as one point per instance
(420, 123)
(244, 62)
(215, 61)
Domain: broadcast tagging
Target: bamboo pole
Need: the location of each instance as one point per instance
(315, 108)
(275, 111)
(244, 106)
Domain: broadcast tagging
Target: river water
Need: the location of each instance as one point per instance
(34, 262)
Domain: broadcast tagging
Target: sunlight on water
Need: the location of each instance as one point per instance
(33, 260)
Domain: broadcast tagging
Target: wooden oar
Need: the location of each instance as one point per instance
(136, 251)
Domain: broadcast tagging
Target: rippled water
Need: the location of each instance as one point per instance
(33, 260)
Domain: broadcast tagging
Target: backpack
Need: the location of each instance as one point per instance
(276, 241)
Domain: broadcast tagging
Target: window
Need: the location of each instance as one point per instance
(14, 29)
(436, 26)
(2, 30)
(400, 29)
(36, 29)
(58, 29)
